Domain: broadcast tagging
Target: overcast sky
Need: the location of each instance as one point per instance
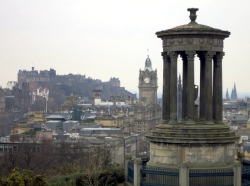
(104, 39)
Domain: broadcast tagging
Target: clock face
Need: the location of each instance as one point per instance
(146, 80)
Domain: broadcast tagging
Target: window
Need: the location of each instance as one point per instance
(139, 130)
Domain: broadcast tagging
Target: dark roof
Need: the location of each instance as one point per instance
(64, 114)
(239, 118)
(24, 119)
(193, 26)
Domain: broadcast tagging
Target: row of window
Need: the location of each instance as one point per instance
(140, 126)
(141, 123)
(139, 130)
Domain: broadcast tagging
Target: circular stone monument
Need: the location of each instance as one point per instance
(199, 141)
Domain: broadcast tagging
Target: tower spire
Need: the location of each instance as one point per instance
(227, 95)
(148, 64)
(179, 78)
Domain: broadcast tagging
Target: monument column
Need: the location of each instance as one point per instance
(190, 87)
(166, 88)
(202, 86)
(209, 89)
(184, 87)
(173, 87)
(217, 88)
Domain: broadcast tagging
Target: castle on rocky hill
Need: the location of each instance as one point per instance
(75, 81)
(26, 76)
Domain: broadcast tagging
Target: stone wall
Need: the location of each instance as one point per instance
(174, 154)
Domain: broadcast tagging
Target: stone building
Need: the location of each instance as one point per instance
(35, 76)
(2, 100)
(22, 96)
(115, 82)
(147, 112)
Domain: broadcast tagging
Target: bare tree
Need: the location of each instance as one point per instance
(100, 160)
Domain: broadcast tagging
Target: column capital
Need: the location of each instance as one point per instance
(219, 55)
(165, 56)
(209, 54)
(173, 55)
(206, 55)
(190, 54)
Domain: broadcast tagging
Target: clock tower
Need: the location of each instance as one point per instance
(147, 112)
(148, 84)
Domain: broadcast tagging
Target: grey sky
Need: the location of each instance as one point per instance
(104, 39)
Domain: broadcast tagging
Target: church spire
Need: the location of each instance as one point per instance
(234, 93)
(227, 95)
(179, 79)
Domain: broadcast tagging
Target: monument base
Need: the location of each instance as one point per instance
(192, 155)
(196, 155)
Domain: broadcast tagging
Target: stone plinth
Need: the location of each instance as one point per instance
(208, 145)
(207, 155)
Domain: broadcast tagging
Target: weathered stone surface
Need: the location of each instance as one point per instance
(207, 155)
(203, 155)
(230, 153)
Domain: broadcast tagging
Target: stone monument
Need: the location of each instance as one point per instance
(196, 146)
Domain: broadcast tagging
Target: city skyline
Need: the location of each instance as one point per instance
(110, 39)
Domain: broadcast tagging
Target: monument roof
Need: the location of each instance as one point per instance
(193, 27)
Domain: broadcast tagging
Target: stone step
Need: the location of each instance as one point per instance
(191, 134)
(187, 139)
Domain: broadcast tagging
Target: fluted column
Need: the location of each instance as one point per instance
(209, 89)
(217, 88)
(202, 86)
(190, 87)
(184, 87)
(166, 88)
(173, 87)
